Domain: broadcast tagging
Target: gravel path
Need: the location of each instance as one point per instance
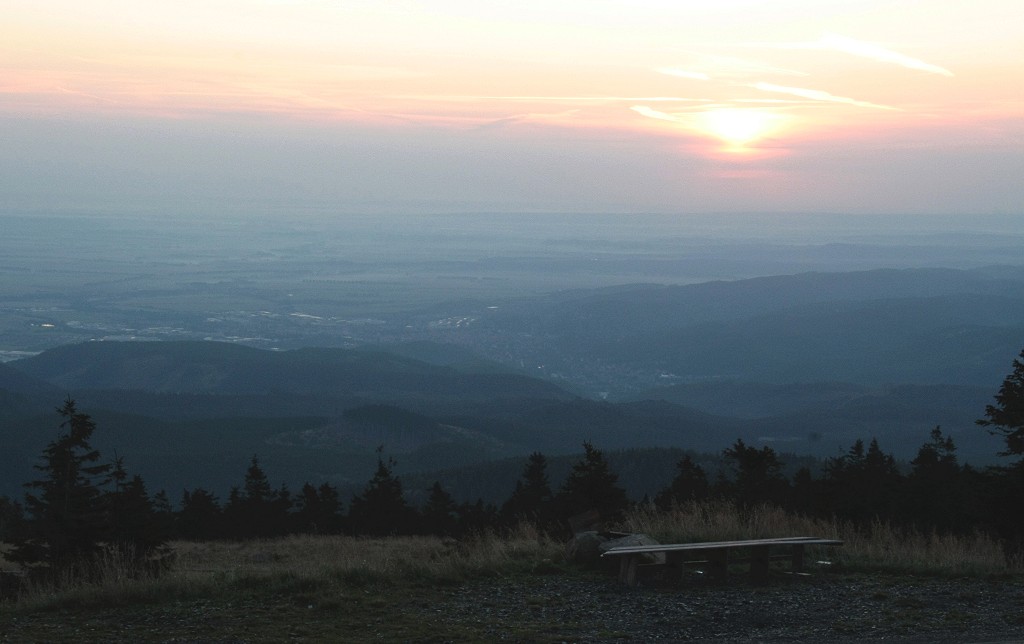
(830, 608)
(825, 608)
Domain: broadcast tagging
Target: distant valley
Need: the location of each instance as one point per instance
(211, 353)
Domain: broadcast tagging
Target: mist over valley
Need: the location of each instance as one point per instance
(475, 338)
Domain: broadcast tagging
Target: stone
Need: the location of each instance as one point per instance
(587, 547)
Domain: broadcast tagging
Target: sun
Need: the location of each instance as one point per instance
(738, 128)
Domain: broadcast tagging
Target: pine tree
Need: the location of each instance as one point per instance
(319, 510)
(200, 517)
(133, 530)
(936, 459)
(591, 486)
(12, 519)
(381, 509)
(163, 513)
(1007, 415)
(937, 490)
(439, 514)
(532, 497)
(256, 510)
(477, 517)
(66, 508)
(757, 475)
(864, 484)
(689, 484)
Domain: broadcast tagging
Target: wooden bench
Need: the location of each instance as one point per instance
(715, 555)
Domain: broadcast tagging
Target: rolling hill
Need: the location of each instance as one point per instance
(230, 369)
(807, 363)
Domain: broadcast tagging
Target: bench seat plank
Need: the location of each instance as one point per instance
(716, 554)
(709, 545)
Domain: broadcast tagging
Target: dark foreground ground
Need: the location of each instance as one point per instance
(562, 608)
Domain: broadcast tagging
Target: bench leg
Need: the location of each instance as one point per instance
(674, 562)
(627, 569)
(718, 563)
(759, 563)
(798, 558)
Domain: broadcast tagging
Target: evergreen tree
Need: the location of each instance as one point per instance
(592, 485)
(936, 460)
(281, 505)
(163, 513)
(477, 517)
(235, 514)
(66, 509)
(938, 492)
(864, 484)
(689, 484)
(133, 531)
(806, 496)
(439, 515)
(200, 517)
(257, 487)
(532, 497)
(319, 510)
(12, 519)
(757, 475)
(1007, 415)
(381, 509)
(256, 510)
(1004, 486)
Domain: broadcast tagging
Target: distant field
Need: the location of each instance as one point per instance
(104, 276)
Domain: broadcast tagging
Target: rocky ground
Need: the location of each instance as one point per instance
(564, 607)
(839, 608)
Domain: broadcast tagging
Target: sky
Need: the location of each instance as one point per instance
(287, 106)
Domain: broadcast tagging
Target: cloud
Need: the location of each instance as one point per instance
(876, 52)
(817, 95)
(682, 73)
(459, 98)
(745, 66)
(643, 110)
(528, 117)
(96, 97)
(859, 48)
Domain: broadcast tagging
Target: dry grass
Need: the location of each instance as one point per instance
(303, 562)
(879, 546)
(327, 565)
(359, 560)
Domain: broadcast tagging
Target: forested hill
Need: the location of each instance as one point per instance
(214, 368)
(809, 363)
(14, 380)
(936, 326)
(663, 307)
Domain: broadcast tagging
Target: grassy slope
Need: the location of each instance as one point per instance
(352, 589)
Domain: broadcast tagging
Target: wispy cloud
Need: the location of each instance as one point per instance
(709, 66)
(461, 98)
(878, 53)
(682, 73)
(859, 48)
(745, 66)
(96, 97)
(541, 117)
(643, 110)
(817, 95)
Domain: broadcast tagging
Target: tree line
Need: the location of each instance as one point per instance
(83, 508)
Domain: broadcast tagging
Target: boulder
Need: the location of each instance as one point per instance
(587, 547)
(638, 539)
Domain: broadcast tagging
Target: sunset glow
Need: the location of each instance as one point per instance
(797, 78)
(739, 127)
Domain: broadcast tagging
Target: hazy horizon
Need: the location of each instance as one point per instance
(227, 106)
